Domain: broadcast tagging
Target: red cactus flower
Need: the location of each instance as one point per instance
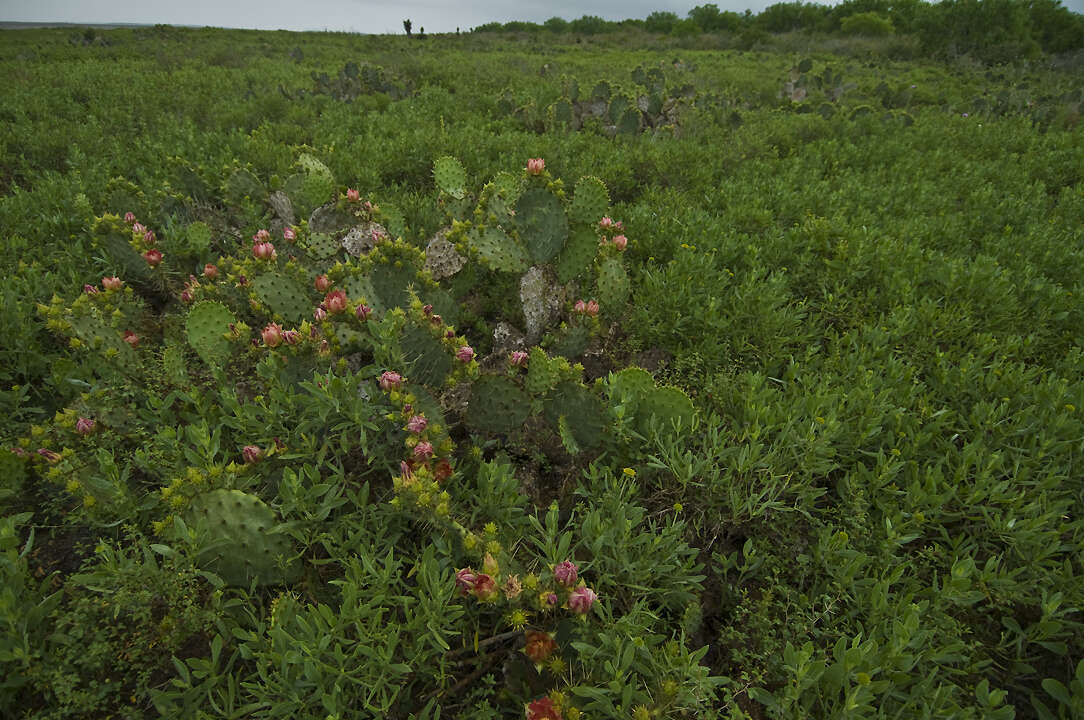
(581, 599)
(605, 222)
(149, 237)
(210, 271)
(264, 251)
(130, 218)
(272, 335)
(335, 301)
(518, 358)
(85, 426)
(540, 646)
(90, 290)
(322, 283)
(390, 380)
(592, 308)
(288, 234)
(566, 573)
(261, 236)
(319, 314)
(621, 242)
(417, 424)
(139, 229)
(485, 589)
(465, 354)
(363, 312)
(443, 470)
(291, 337)
(543, 709)
(112, 283)
(423, 450)
(465, 580)
(153, 257)
(353, 195)
(131, 338)
(50, 456)
(535, 166)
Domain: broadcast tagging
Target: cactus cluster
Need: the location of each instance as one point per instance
(802, 87)
(352, 81)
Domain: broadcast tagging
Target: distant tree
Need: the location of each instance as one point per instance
(866, 23)
(521, 26)
(489, 27)
(589, 25)
(660, 22)
(407, 26)
(556, 24)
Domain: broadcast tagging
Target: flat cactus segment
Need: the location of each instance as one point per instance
(629, 386)
(571, 342)
(391, 284)
(173, 367)
(426, 404)
(115, 239)
(198, 237)
(497, 250)
(613, 284)
(394, 220)
(497, 405)
(321, 245)
(576, 257)
(242, 184)
(310, 187)
(359, 288)
(443, 304)
(450, 177)
(508, 186)
(99, 336)
(562, 112)
(601, 91)
(206, 326)
(581, 409)
(590, 202)
(629, 122)
(543, 227)
(283, 297)
(618, 105)
(248, 550)
(669, 406)
(426, 359)
(542, 373)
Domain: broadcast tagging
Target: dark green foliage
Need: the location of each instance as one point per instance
(497, 405)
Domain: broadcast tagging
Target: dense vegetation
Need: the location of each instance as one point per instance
(760, 397)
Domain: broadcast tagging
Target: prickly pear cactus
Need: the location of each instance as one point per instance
(242, 185)
(635, 390)
(248, 549)
(174, 368)
(590, 202)
(575, 259)
(543, 227)
(450, 177)
(497, 405)
(99, 336)
(580, 410)
(283, 297)
(312, 185)
(497, 250)
(613, 283)
(206, 328)
(426, 359)
(543, 373)
(320, 245)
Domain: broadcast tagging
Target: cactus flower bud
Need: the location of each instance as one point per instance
(335, 301)
(272, 335)
(417, 424)
(485, 589)
(543, 709)
(264, 251)
(581, 599)
(252, 454)
(540, 646)
(51, 456)
(131, 338)
(512, 587)
(262, 236)
(353, 195)
(130, 218)
(210, 271)
(112, 283)
(90, 290)
(325, 348)
(153, 257)
(465, 354)
(547, 600)
(423, 450)
(518, 358)
(288, 234)
(319, 314)
(291, 337)
(149, 237)
(186, 296)
(464, 580)
(535, 166)
(450, 334)
(443, 470)
(605, 222)
(621, 242)
(580, 306)
(363, 312)
(322, 283)
(390, 380)
(85, 426)
(592, 308)
(139, 229)
(566, 573)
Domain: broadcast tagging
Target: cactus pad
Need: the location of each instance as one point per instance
(613, 284)
(99, 336)
(497, 250)
(243, 184)
(543, 373)
(590, 202)
(283, 297)
(562, 112)
(497, 405)
(173, 367)
(601, 91)
(391, 283)
(206, 327)
(571, 342)
(629, 122)
(250, 551)
(543, 227)
(450, 177)
(581, 409)
(576, 257)
(668, 405)
(321, 245)
(426, 359)
(628, 386)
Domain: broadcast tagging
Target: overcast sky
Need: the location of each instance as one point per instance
(366, 16)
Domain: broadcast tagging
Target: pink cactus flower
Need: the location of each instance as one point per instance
(139, 229)
(291, 337)
(621, 242)
(90, 290)
(543, 709)
(319, 314)
(264, 251)
(566, 573)
(605, 222)
(272, 335)
(518, 358)
(581, 599)
(210, 271)
(335, 301)
(19, 452)
(485, 589)
(548, 600)
(252, 454)
(322, 283)
(149, 237)
(390, 380)
(130, 218)
(592, 308)
(186, 296)
(465, 354)
(423, 450)
(465, 580)
(50, 456)
(131, 338)
(153, 257)
(85, 426)
(262, 236)
(353, 195)
(417, 424)
(619, 226)
(288, 234)
(535, 166)
(580, 307)
(112, 283)
(363, 312)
